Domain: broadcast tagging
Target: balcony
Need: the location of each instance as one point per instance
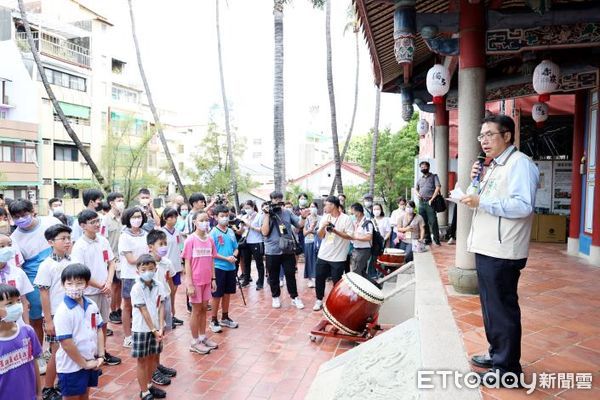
(55, 47)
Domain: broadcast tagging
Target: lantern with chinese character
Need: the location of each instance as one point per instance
(539, 113)
(422, 127)
(546, 78)
(438, 82)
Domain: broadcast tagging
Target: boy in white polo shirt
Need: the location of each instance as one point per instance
(78, 326)
(52, 294)
(93, 250)
(147, 297)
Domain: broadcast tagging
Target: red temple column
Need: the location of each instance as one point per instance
(441, 141)
(576, 187)
(595, 248)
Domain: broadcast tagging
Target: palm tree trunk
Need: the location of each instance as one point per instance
(375, 140)
(334, 135)
(232, 169)
(278, 127)
(347, 142)
(159, 129)
(61, 115)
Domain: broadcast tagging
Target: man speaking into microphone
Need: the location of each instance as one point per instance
(503, 207)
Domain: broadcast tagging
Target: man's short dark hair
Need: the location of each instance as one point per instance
(504, 122)
(196, 197)
(333, 200)
(145, 259)
(114, 196)
(399, 199)
(358, 207)
(426, 163)
(54, 200)
(75, 271)
(91, 195)
(144, 191)
(368, 196)
(276, 195)
(86, 215)
(341, 194)
(20, 206)
(52, 232)
(127, 214)
(221, 209)
(154, 236)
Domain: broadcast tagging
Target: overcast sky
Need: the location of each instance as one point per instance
(178, 41)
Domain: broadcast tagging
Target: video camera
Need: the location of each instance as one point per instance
(272, 208)
(220, 199)
(329, 227)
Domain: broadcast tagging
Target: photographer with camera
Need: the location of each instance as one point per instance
(281, 246)
(335, 230)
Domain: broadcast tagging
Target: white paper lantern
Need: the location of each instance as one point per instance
(438, 82)
(422, 127)
(546, 77)
(539, 113)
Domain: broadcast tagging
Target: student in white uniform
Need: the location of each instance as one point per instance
(174, 246)
(14, 276)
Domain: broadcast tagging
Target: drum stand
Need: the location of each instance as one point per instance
(325, 329)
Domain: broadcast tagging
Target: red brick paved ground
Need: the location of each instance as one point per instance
(268, 357)
(560, 307)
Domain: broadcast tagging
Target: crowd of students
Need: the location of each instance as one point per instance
(63, 278)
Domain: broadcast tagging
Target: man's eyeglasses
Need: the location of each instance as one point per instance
(488, 135)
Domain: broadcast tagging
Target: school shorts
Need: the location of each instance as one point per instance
(77, 383)
(226, 281)
(126, 285)
(177, 279)
(103, 304)
(144, 344)
(203, 293)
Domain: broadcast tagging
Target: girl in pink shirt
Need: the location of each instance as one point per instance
(198, 252)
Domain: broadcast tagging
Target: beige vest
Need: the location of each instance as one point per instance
(499, 237)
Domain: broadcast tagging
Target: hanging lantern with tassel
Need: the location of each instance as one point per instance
(422, 127)
(546, 77)
(438, 82)
(539, 113)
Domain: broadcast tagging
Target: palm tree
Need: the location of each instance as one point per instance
(334, 134)
(232, 169)
(61, 115)
(375, 140)
(159, 128)
(278, 128)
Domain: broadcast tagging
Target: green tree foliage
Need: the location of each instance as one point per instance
(211, 170)
(396, 152)
(124, 158)
(293, 191)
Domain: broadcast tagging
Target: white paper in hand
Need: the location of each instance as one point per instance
(456, 195)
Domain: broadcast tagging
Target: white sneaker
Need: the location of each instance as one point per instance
(42, 365)
(451, 241)
(318, 305)
(298, 303)
(127, 341)
(276, 302)
(215, 326)
(281, 282)
(311, 283)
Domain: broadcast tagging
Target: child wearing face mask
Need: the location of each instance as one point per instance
(78, 326)
(148, 297)
(12, 275)
(198, 252)
(19, 347)
(132, 244)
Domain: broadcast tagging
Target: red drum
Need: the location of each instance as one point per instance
(353, 302)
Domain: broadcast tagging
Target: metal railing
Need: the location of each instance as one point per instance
(56, 47)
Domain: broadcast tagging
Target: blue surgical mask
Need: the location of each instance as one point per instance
(24, 222)
(162, 251)
(6, 254)
(184, 213)
(147, 276)
(13, 312)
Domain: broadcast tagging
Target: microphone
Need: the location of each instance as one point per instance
(474, 188)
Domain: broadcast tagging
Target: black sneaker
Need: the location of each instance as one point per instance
(146, 397)
(50, 393)
(170, 372)
(157, 393)
(114, 317)
(173, 326)
(177, 321)
(109, 332)
(160, 379)
(111, 360)
(245, 283)
(120, 312)
(259, 287)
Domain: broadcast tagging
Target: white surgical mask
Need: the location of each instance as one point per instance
(203, 225)
(120, 205)
(136, 222)
(313, 211)
(6, 254)
(57, 210)
(302, 202)
(13, 312)
(144, 202)
(368, 203)
(147, 276)
(409, 210)
(377, 213)
(74, 292)
(223, 221)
